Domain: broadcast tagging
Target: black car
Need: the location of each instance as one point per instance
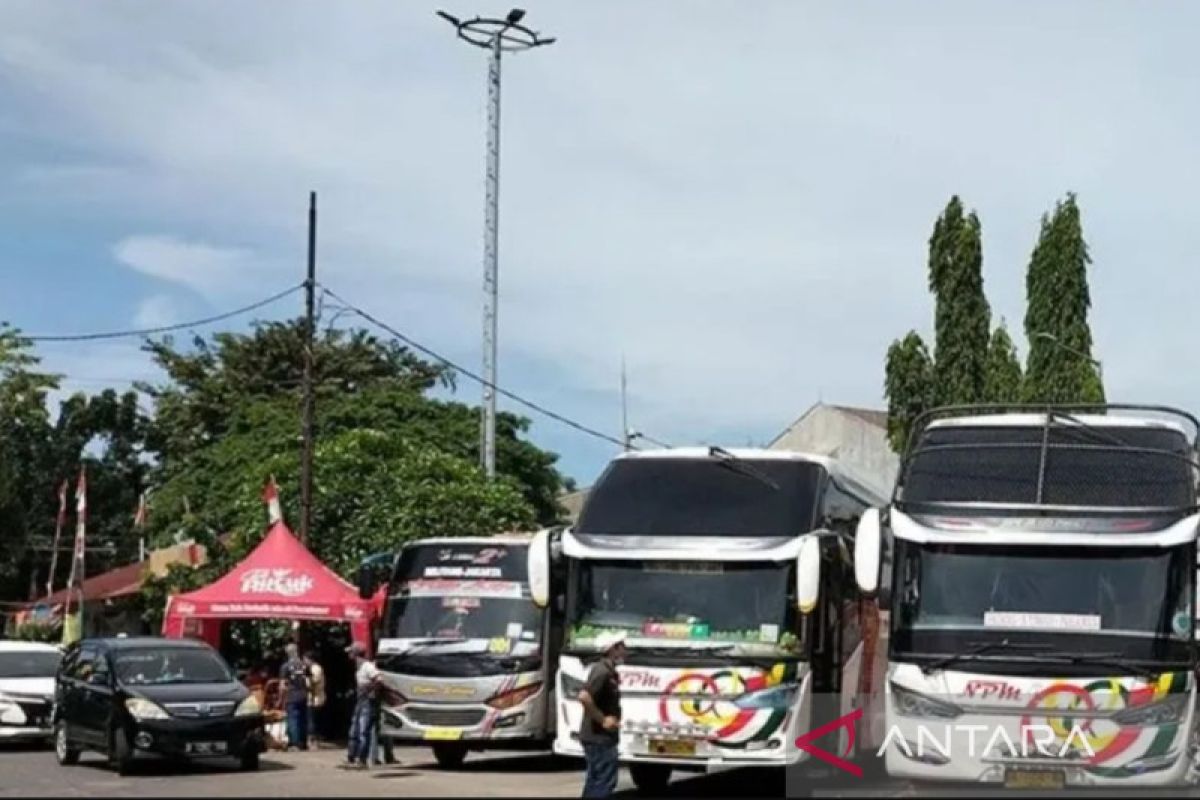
(170, 697)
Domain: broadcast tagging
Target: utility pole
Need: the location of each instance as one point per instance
(310, 287)
(497, 36)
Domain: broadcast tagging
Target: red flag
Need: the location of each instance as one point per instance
(270, 496)
(62, 503)
(139, 516)
(80, 528)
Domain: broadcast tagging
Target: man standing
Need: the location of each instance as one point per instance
(316, 696)
(600, 730)
(366, 699)
(294, 674)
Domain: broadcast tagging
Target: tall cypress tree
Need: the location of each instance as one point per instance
(1060, 367)
(1002, 381)
(908, 385)
(962, 319)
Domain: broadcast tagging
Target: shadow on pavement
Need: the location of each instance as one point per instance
(544, 763)
(733, 783)
(166, 767)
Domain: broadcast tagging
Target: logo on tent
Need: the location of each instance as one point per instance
(276, 581)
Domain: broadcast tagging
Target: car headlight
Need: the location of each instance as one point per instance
(914, 704)
(1164, 712)
(571, 687)
(248, 707)
(140, 708)
(775, 697)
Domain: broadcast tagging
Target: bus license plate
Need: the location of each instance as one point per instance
(1034, 779)
(443, 734)
(672, 747)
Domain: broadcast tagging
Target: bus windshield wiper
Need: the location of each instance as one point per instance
(1094, 431)
(1103, 660)
(730, 461)
(974, 650)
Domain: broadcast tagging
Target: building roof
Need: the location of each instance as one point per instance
(117, 582)
(872, 417)
(869, 415)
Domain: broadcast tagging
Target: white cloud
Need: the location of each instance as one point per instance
(739, 203)
(201, 267)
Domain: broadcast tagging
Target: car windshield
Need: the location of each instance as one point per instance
(1123, 599)
(175, 665)
(29, 664)
(746, 607)
(1110, 466)
(702, 497)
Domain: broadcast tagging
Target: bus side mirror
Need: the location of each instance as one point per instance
(808, 574)
(868, 542)
(367, 583)
(539, 568)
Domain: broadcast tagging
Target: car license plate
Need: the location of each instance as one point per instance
(672, 747)
(207, 748)
(1035, 779)
(443, 733)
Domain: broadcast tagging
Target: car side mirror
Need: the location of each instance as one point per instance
(98, 679)
(808, 574)
(367, 582)
(868, 552)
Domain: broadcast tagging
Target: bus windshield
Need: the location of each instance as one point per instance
(1085, 466)
(703, 497)
(741, 607)
(1135, 601)
(460, 598)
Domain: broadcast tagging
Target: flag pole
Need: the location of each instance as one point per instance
(58, 526)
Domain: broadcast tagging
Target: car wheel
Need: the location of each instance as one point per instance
(120, 755)
(250, 760)
(449, 755)
(63, 750)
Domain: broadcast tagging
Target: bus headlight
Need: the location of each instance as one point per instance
(914, 704)
(775, 697)
(1164, 712)
(515, 697)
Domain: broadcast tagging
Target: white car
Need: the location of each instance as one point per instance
(27, 674)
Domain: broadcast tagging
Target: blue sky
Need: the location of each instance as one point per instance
(738, 203)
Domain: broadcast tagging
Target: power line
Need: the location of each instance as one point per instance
(473, 376)
(89, 337)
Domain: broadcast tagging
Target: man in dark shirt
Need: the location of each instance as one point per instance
(600, 730)
(295, 686)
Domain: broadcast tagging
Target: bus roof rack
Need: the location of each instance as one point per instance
(981, 409)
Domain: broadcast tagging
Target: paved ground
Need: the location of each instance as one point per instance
(27, 771)
(33, 772)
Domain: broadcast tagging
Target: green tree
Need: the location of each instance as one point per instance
(1060, 368)
(962, 318)
(908, 385)
(25, 430)
(237, 382)
(1002, 382)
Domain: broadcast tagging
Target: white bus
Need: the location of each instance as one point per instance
(468, 659)
(1040, 570)
(730, 574)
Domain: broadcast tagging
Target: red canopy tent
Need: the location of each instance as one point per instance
(280, 579)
